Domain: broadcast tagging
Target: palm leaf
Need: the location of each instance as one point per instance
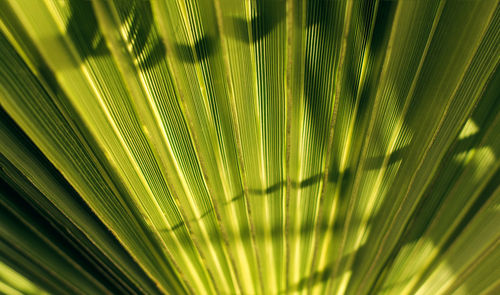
(249, 147)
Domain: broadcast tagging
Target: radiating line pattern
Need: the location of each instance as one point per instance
(249, 147)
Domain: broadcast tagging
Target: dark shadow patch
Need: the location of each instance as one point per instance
(89, 41)
(269, 13)
(383, 26)
(200, 51)
(318, 12)
(81, 12)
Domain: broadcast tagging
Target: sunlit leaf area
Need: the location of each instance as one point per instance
(250, 147)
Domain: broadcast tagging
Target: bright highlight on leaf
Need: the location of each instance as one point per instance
(249, 147)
